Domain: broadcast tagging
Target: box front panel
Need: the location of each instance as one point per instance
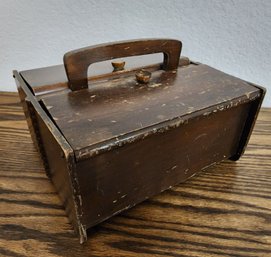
(118, 179)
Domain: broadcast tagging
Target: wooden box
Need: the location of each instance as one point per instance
(111, 141)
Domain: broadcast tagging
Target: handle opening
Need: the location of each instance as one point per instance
(131, 63)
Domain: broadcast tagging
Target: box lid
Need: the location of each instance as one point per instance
(116, 109)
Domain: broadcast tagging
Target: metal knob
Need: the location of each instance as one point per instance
(184, 61)
(118, 65)
(143, 76)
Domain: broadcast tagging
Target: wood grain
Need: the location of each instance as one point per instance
(223, 211)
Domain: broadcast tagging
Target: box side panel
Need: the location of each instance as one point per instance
(250, 122)
(119, 179)
(62, 172)
(57, 155)
(24, 92)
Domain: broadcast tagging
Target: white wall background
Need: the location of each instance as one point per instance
(231, 35)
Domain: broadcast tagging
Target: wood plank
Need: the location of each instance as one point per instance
(223, 211)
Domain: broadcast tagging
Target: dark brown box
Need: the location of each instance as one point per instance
(109, 142)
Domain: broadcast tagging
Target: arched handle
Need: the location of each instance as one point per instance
(77, 61)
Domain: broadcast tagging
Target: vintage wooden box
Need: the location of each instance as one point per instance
(109, 142)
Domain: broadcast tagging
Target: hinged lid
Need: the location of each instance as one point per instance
(113, 110)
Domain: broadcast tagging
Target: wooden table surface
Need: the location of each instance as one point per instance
(223, 211)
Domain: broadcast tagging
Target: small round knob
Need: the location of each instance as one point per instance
(118, 65)
(143, 76)
(184, 61)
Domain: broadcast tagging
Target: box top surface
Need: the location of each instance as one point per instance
(115, 109)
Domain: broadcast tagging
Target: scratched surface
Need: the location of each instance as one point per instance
(118, 106)
(223, 211)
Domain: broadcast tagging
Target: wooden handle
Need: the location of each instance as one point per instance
(77, 61)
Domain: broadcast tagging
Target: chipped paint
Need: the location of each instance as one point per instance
(80, 200)
(161, 117)
(200, 136)
(128, 102)
(190, 109)
(155, 85)
(83, 233)
(207, 113)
